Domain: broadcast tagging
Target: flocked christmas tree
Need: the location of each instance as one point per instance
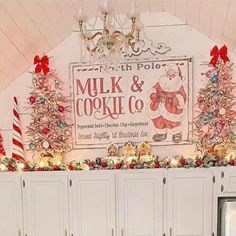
(49, 129)
(216, 120)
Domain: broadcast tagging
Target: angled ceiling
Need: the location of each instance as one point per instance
(30, 27)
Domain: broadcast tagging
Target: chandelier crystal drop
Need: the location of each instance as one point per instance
(111, 44)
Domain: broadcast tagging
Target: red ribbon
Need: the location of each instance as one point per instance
(41, 64)
(216, 53)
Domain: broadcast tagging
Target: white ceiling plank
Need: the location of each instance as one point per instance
(15, 35)
(181, 9)
(26, 25)
(170, 6)
(41, 21)
(68, 13)
(219, 19)
(157, 5)
(12, 54)
(8, 68)
(206, 16)
(193, 12)
(229, 35)
(54, 16)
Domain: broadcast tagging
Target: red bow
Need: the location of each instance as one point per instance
(41, 64)
(215, 53)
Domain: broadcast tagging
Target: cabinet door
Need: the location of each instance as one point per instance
(45, 204)
(140, 203)
(92, 203)
(10, 205)
(228, 179)
(190, 202)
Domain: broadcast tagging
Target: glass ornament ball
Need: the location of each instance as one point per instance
(210, 115)
(45, 131)
(31, 146)
(61, 109)
(57, 81)
(62, 125)
(42, 100)
(36, 136)
(59, 95)
(67, 133)
(222, 111)
(214, 79)
(45, 144)
(32, 99)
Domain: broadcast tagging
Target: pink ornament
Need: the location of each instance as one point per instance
(205, 128)
(201, 107)
(222, 111)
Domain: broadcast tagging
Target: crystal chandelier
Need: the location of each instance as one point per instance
(109, 45)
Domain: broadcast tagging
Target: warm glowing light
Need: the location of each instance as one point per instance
(41, 164)
(58, 163)
(3, 167)
(20, 166)
(174, 163)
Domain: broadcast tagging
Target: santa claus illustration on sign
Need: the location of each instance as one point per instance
(167, 104)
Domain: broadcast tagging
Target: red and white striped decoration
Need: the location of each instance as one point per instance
(17, 141)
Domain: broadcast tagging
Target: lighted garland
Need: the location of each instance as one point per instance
(11, 165)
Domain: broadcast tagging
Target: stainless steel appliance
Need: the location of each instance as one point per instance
(227, 216)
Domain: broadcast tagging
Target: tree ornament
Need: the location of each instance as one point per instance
(46, 144)
(62, 125)
(32, 99)
(45, 131)
(210, 115)
(118, 166)
(214, 79)
(31, 146)
(104, 164)
(42, 100)
(61, 109)
(198, 162)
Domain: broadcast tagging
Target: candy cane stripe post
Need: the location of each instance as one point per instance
(17, 144)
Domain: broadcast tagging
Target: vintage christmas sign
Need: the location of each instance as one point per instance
(139, 100)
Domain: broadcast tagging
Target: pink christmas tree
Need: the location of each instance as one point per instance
(49, 129)
(216, 120)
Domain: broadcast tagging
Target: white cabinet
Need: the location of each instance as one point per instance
(92, 203)
(45, 198)
(228, 181)
(11, 223)
(189, 202)
(140, 203)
